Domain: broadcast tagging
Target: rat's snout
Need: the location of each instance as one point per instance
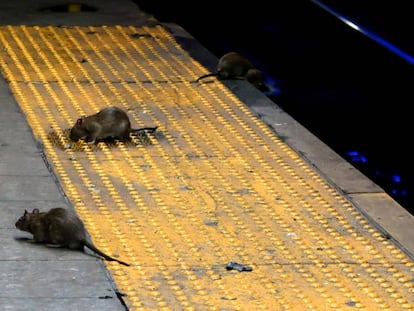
(74, 135)
(18, 223)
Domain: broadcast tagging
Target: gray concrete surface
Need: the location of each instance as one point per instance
(33, 277)
(38, 278)
(26, 12)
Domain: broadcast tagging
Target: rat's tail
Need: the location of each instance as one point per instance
(207, 75)
(148, 128)
(102, 254)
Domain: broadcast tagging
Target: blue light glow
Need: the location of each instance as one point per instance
(402, 192)
(396, 178)
(368, 33)
(273, 85)
(356, 156)
(353, 153)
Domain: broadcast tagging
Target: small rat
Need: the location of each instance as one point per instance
(109, 123)
(232, 65)
(59, 227)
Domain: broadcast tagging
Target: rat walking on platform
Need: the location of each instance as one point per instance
(232, 65)
(59, 227)
(109, 123)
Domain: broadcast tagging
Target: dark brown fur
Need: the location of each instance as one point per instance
(109, 123)
(59, 227)
(232, 65)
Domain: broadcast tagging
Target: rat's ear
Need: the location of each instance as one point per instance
(79, 122)
(25, 216)
(35, 210)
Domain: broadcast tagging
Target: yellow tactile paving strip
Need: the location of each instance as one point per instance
(212, 185)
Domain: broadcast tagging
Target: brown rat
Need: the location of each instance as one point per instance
(59, 227)
(232, 65)
(109, 123)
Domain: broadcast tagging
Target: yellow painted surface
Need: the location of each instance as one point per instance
(212, 185)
